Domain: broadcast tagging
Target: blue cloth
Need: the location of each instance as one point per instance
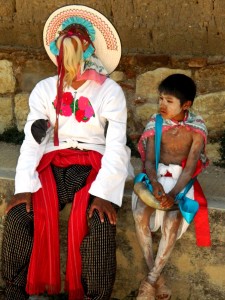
(187, 206)
(158, 135)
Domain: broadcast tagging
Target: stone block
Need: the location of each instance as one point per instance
(147, 83)
(197, 62)
(21, 109)
(7, 10)
(7, 79)
(210, 78)
(210, 104)
(33, 71)
(6, 113)
(211, 108)
(6, 192)
(212, 151)
(117, 76)
(144, 112)
(215, 125)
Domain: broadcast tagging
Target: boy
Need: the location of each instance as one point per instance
(182, 151)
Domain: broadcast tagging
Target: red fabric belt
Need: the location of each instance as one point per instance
(44, 268)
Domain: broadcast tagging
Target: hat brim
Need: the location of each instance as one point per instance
(107, 42)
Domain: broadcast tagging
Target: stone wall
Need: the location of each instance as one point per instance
(138, 75)
(193, 27)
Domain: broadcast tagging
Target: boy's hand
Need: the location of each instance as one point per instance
(158, 190)
(167, 201)
(18, 199)
(103, 207)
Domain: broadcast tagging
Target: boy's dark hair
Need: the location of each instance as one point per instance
(179, 86)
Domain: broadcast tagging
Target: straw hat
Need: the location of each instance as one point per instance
(106, 41)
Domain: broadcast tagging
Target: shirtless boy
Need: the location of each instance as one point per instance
(182, 150)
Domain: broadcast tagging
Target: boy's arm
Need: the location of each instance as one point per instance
(150, 168)
(150, 159)
(189, 169)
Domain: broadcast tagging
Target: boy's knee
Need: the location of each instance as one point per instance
(140, 219)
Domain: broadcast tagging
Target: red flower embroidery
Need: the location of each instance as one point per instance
(67, 98)
(66, 110)
(89, 112)
(79, 114)
(82, 107)
(83, 102)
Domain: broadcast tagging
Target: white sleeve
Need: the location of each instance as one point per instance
(26, 179)
(109, 183)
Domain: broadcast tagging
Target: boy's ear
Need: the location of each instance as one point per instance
(187, 105)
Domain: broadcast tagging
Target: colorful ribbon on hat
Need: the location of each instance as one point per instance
(79, 27)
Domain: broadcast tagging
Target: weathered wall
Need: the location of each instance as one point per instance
(194, 27)
(158, 37)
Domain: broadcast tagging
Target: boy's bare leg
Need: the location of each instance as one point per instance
(142, 215)
(170, 228)
(172, 222)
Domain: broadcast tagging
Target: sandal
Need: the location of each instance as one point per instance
(146, 291)
(162, 291)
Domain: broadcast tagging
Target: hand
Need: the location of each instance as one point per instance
(158, 191)
(103, 207)
(18, 199)
(167, 201)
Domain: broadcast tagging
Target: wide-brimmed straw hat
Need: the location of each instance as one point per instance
(106, 42)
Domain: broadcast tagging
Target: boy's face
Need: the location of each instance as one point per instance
(170, 107)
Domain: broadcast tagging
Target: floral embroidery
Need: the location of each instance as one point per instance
(67, 100)
(81, 107)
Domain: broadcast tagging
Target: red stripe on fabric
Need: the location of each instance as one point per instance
(77, 230)
(46, 274)
(44, 268)
(201, 219)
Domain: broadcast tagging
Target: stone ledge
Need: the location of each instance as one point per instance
(191, 272)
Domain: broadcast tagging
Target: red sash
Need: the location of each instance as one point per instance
(44, 268)
(201, 219)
